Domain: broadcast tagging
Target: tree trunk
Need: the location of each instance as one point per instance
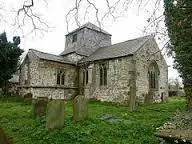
(188, 94)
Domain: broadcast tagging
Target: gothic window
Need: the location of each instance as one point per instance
(74, 38)
(103, 74)
(85, 76)
(153, 76)
(60, 77)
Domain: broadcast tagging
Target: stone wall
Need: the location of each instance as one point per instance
(87, 40)
(119, 75)
(42, 78)
(48, 74)
(74, 57)
(24, 74)
(148, 53)
(96, 39)
(39, 77)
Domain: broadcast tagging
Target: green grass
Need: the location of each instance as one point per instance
(137, 128)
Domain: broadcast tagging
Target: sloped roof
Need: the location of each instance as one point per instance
(78, 50)
(90, 26)
(117, 50)
(51, 57)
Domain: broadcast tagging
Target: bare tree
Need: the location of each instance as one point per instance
(24, 16)
(112, 10)
(82, 10)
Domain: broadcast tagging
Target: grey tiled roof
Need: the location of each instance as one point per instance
(79, 50)
(90, 26)
(51, 57)
(117, 50)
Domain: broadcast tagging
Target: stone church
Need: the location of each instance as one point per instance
(91, 66)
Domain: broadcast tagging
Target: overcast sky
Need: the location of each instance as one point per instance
(129, 26)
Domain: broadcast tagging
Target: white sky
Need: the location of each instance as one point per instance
(127, 27)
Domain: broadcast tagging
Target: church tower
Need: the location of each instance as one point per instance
(85, 40)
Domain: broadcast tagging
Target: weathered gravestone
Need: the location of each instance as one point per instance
(39, 106)
(80, 108)
(28, 98)
(55, 114)
(3, 138)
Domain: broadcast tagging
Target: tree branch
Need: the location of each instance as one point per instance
(25, 14)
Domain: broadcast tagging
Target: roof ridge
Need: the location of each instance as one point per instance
(88, 25)
(131, 40)
(45, 52)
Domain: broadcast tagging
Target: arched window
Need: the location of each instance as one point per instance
(103, 74)
(153, 73)
(60, 77)
(85, 76)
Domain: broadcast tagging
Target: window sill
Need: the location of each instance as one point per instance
(103, 86)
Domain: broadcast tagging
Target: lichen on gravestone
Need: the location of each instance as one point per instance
(55, 114)
(39, 106)
(80, 108)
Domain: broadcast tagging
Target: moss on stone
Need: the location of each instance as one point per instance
(80, 108)
(55, 114)
(39, 106)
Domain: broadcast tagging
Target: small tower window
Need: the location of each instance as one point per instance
(74, 38)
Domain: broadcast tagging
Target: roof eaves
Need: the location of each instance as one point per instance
(49, 59)
(110, 58)
(58, 61)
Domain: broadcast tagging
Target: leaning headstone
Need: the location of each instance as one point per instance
(80, 108)
(28, 98)
(55, 114)
(3, 138)
(40, 106)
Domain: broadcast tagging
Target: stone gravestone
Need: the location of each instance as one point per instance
(40, 106)
(80, 108)
(28, 98)
(55, 114)
(3, 138)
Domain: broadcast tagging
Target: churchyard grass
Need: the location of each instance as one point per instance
(138, 127)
